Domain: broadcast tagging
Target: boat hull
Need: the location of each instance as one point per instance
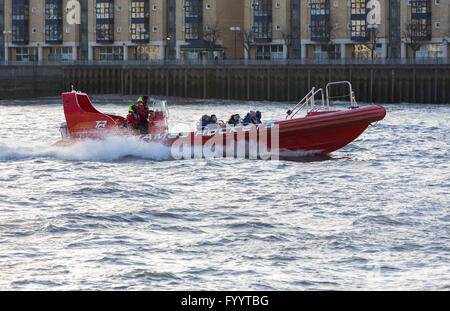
(316, 133)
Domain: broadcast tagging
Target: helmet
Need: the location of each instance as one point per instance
(140, 100)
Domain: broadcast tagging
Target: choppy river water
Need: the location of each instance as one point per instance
(119, 215)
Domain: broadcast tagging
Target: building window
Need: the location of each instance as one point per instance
(320, 7)
(276, 52)
(262, 7)
(430, 51)
(144, 52)
(420, 6)
(105, 32)
(320, 20)
(263, 52)
(268, 52)
(53, 9)
(53, 33)
(139, 9)
(53, 21)
(104, 12)
(326, 51)
(139, 32)
(26, 54)
(262, 31)
(19, 17)
(193, 8)
(362, 51)
(193, 18)
(192, 31)
(359, 20)
(140, 21)
(104, 9)
(60, 54)
(421, 20)
(262, 20)
(111, 53)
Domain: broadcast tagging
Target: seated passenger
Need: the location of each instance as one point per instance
(212, 119)
(204, 121)
(143, 107)
(234, 120)
(250, 118)
(212, 122)
(258, 116)
(133, 117)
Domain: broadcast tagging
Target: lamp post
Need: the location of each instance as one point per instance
(235, 30)
(373, 28)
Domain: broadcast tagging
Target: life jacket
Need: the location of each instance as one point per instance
(133, 117)
(143, 110)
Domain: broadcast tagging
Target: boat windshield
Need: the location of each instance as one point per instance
(159, 105)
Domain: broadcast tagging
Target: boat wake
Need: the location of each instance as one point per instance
(113, 148)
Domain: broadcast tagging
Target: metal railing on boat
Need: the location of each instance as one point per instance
(309, 101)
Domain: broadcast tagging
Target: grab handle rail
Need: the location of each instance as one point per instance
(351, 94)
(308, 100)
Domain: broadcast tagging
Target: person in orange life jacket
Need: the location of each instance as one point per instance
(133, 117)
(143, 114)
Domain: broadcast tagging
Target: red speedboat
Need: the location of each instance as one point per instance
(320, 131)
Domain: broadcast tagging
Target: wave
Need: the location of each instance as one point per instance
(113, 148)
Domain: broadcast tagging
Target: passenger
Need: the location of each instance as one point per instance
(212, 122)
(234, 120)
(143, 107)
(133, 118)
(213, 119)
(250, 118)
(204, 121)
(258, 117)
